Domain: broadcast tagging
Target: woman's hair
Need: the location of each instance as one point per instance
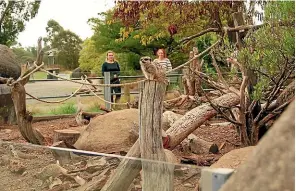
(110, 51)
(163, 50)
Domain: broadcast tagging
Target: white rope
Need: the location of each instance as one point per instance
(99, 85)
(60, 101)
(27, 75)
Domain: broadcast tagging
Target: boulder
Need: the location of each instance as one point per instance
(9, 67)
(109, 133)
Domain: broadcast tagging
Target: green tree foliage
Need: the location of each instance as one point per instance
(270, 51)
(24, 55)
(108, 33)
(91, 59)
(66, 42)
(13, 15)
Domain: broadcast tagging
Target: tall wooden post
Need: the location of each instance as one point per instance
(107, 90)
(157, 176)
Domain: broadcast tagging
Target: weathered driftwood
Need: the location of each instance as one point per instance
(157, 176)
(18, 94)
(24, 118)
(271, 167)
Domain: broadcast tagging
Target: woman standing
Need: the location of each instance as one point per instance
(163, 60)
(112, 66)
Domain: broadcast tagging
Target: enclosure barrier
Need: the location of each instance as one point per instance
(42, 158)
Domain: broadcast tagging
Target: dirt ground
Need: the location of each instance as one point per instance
(186, 177)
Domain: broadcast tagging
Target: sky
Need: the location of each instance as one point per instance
(70, 14)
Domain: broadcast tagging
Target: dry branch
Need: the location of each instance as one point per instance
(235, 29)
(24, 118)
(220, 76)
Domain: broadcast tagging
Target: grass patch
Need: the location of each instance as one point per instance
(95, 107)
(67, 108)
(38, 76)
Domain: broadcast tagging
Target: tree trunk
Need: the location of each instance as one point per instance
(196, 117)
(156, 176)
(24, 118)
(272, 164)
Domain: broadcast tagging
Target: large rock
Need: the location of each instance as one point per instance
(234, 158)
(8, 63)
(7, 111)
(271, 166)
(78, 72)
(110, 132)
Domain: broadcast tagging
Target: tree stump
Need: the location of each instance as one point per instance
(69, 136)
(156, 176)
(7, 111)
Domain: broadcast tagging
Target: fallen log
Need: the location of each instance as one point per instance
(169, 119)
(200, 146)
(196, 117)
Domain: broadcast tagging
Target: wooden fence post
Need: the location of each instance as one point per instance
(127, 93)
(157, 176)
(107, 90)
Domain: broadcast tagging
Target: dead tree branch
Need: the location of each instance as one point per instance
(217, 108)
(234, 29)
(38, 62)
(220, 76)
